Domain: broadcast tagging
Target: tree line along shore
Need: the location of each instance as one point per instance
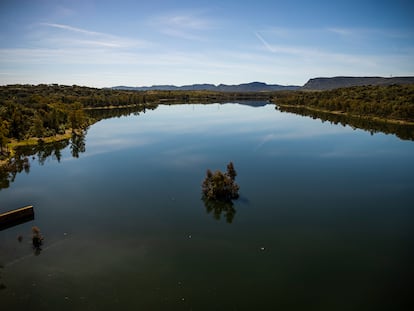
(391, 103)
(29, 113)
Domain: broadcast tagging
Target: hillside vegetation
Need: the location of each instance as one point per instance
(392, 102)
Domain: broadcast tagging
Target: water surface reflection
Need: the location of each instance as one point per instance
(403, 131)
(220, 208)
(327, 224)
(42, 151)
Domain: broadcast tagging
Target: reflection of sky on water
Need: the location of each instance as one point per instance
(185, 130)
(313, 194)
(260, 125)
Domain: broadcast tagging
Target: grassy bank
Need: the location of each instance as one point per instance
(14, 144)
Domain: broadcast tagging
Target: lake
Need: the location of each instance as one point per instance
(324, 220)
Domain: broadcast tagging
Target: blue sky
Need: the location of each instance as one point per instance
(137, 43)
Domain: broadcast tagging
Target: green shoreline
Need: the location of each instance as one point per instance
(11, 146)
(31, 141)
(341, 113)
(114, 107)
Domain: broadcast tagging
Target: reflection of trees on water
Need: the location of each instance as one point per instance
(104, 113)
(44, 150)
(21, 160)
(14, 166)
(77, 144)
(218, 208)
(405, 132)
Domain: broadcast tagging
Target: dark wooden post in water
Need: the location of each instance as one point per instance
(16, 217)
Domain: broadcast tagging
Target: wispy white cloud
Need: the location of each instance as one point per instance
(188, 22)
(321, 54)
(277, 57)
(341, 31)
(335, 35)
(83, 37)
(97, 43)
(186, 25)
(73, 29)
(314, 58)
(368, 33)
(64, 11)
(143, 67)
(303, 52)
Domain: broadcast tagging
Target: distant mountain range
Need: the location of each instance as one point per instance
(245, 87)
(312, 84)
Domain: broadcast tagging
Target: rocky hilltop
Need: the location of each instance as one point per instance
(338, 82)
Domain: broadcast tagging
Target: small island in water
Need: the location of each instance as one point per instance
(219, 191)
(219, 186)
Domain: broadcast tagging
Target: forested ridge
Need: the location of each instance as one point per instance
(392, 102)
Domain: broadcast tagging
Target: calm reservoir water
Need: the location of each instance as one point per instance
(324, 221)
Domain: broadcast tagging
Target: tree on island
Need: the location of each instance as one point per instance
(219, 186)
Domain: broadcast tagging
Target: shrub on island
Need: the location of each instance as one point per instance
(221, 186)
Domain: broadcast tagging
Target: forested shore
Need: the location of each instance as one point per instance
(42, 113)
(393, 103)
(34, 112)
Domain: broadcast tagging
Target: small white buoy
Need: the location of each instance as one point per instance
(262, 248)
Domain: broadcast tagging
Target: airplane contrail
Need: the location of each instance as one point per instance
(267, 45)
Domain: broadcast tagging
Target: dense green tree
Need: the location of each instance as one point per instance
(77, 116)
(37, 126)
(4, 132)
